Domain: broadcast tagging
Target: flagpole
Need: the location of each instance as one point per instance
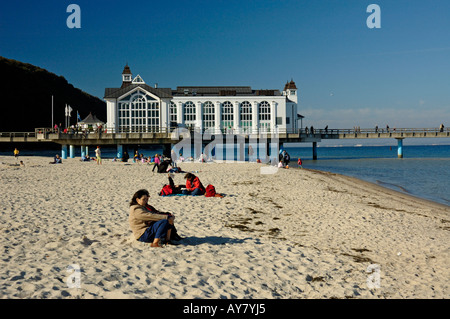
(52, 113)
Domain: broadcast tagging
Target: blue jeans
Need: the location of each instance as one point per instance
(156, 230)
(195, 192)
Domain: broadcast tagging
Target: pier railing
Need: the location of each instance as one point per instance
(304, 134)
(307, 131)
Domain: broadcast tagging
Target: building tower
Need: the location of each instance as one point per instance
(126, 76)
(290, 91)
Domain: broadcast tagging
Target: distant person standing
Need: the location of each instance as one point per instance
(16, 154)
(173, 157)
(441, 128)
(286, 159)
(299, 162)
(98, 155)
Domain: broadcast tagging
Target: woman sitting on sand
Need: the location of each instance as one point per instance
(148, 226)
(193, 185)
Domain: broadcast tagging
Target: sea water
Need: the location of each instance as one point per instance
(424, 171)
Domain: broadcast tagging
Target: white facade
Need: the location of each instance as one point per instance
(137, 107)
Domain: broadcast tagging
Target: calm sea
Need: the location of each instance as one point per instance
(424, 171)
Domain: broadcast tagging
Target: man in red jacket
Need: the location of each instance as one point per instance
(193, 185)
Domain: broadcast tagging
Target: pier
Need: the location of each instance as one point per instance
(168, 137)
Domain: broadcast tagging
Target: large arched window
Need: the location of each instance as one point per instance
(138, 116)
(227, 116)
(208, 115)
(189, 114)
(264, 116)
(246, 117)
(138, 113)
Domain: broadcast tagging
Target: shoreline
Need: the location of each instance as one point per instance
(293, 165)
(387, 190)
(296, 234)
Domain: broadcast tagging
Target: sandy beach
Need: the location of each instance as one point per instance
(297, 233)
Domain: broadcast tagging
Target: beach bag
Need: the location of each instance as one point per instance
(166, 190)
(210, 191)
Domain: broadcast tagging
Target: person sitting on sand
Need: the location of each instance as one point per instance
(162, 167)
(171, 188)
(193, 185)
(149, 226)
(56, 160)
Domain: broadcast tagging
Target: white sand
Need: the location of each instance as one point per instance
(293, 234)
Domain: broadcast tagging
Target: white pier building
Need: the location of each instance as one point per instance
(138, 107)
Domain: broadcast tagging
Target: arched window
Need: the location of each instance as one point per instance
(227, 116)
(246, 117)
(138, 116)
(189, 114)
(138, 113)
(264, 116)
(208, 115)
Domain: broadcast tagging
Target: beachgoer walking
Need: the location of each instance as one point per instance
(98, 155)
(125, 157)
(299, 162)
(146, 225)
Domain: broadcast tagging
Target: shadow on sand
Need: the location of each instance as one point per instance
(212, 240)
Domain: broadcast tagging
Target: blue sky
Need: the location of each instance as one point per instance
(347, 74)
